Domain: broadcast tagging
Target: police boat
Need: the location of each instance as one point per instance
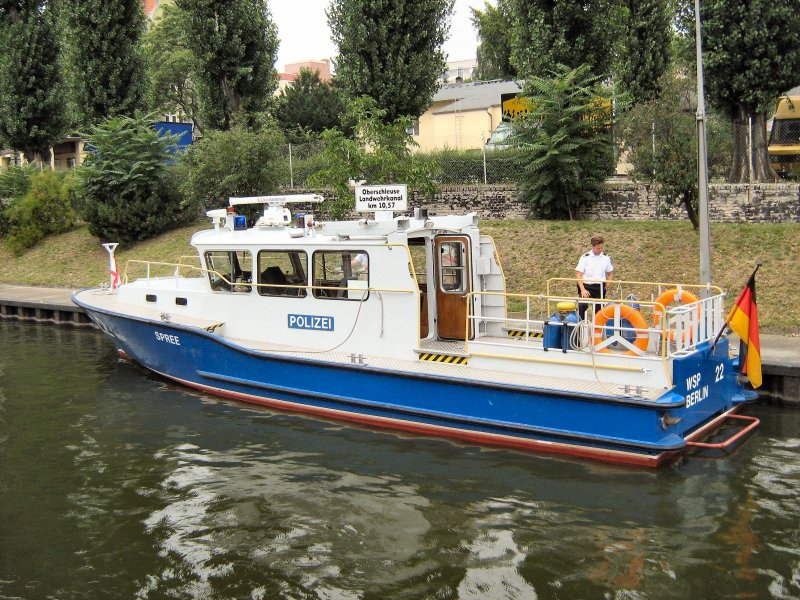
(404, 322)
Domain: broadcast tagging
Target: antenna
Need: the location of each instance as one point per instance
(276, 200)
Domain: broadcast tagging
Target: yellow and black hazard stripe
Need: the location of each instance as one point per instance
(521, 333)
(444, 358)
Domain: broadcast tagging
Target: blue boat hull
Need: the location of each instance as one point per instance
(614, 429)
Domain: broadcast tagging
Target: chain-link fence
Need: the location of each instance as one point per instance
(732, 156)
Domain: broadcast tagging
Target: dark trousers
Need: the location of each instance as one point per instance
(596, 290)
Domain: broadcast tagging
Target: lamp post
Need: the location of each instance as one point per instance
(702, 160)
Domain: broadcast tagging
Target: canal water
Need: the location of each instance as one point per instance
(117, 484)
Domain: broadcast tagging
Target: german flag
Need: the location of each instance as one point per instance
(743, 320)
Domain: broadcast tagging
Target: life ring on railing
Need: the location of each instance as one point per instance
(633, 316)
(670, 296)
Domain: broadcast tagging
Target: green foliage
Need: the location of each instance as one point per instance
(565, 142)
(46, 209)
(32, 114)
(391, 51)
(15, 181)
(309, 106)
(377, 153)
(493, 25)
(661, 142)
(106, 68)
(171, 65)
(751, 53)
(239, 162)
(466, 166)
(645, 48)
(126, 192)
(548, 33)
(234, 44)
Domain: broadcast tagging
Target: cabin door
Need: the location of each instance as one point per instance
(452, 285)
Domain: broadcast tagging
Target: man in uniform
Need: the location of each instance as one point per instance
(593, 272)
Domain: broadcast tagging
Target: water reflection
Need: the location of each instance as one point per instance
(117, 484)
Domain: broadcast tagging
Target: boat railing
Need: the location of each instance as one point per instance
(150, 270)
(634, 324)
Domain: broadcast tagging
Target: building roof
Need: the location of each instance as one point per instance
(473, 95)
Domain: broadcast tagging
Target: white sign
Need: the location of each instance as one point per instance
(381, 197)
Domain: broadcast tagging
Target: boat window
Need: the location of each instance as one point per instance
(451, 266)
(230, 270)
(282, 273)
(341, 274)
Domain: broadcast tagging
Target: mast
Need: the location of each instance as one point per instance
(702, 159)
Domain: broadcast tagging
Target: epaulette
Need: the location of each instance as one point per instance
(587, 254)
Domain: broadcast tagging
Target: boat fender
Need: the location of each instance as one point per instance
(634, 317)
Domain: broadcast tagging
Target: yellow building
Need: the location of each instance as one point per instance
(463, 115)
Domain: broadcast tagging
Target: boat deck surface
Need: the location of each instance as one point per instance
(109, 302)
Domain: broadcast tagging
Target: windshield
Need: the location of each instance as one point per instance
(785, 131)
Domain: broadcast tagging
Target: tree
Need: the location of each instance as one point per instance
(309, 106)
(32, 115)
(172, 66)
(237, 162)
(125, 192)
(391, 51)
(106, 68)
(494, 42)
(565, 144)
(660, 141)
(751, 52)
(377, 153)
(547, 33)
(234, 43)
(645, 48)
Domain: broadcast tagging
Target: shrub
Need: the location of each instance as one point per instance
(238, 162)
(565, 142)
(467, 166)
(15, 182)
(377, 153)
(125, 191)
(47, 209)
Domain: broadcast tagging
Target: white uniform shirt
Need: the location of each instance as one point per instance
(595, 266)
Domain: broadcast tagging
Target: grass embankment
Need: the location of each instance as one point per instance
(531, 252)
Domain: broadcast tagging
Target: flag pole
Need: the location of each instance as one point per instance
(728, 318)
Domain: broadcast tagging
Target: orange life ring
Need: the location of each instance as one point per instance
(635, 318)
(668, 298)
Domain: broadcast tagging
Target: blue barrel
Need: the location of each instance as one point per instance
(553, 329)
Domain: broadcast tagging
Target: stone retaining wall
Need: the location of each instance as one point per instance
(623, 200)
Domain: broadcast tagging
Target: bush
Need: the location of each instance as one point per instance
(125, 190)
(377, 153)
(47, 209)
(565, 142)
(466, 166)
(238, 162)
(15, 182)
